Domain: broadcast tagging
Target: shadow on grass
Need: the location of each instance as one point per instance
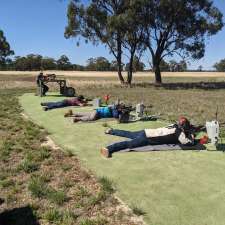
(220, 147)
(18, 216)
(52, 95)
(187, 85)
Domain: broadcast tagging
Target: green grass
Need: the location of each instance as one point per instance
(6, 183)
(88, 221)
(53, 216)
(45, 178)
(57, 197)
(39, 188)
(172, 187)
(6, 149)
(107, 185)
(137, 211)
(28, 166)
(44, 153)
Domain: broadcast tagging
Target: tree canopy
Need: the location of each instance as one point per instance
(164, 27)
(173, 66)
(98, 64)
(98, 23)
(137, 65)
(177, 27)
(63, 63)
(220, 66)
(5, 49)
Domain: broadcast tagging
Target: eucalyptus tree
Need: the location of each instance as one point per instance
(63, 63)
(137, 65)
(220, 66)
(98, 64)
(133, 39)
(98, 22)
(177, 27)
(5, 49)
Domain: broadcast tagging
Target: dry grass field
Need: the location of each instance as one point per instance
(88, 78)
(114, 74)
(195, 97)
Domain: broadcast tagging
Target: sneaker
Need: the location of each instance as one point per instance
(75, 120)
(105, 152)
(45, 108)
(69, 113)
(108, 131)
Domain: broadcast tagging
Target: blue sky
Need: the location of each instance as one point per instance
(37, 26)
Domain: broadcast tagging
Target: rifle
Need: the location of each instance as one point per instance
(199, 128)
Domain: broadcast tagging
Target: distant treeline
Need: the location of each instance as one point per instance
(36, 62)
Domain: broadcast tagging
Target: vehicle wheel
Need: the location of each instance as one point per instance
(70, 92)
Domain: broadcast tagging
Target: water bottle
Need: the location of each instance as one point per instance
(212, 129)
(140, 110)
(96, 103)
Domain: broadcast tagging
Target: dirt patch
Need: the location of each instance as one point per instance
(135, 219)
(50, 143)
(24, 116)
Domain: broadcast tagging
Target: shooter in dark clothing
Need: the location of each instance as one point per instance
(40, 83)
(179, 133)
(76, 101)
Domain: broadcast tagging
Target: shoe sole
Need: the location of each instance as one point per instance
(108, 131)
(105, 153)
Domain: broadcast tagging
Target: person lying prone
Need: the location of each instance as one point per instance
(179, 133)
(76, 101)
(111, 111)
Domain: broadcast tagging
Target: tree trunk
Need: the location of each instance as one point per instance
(130, 70)
(119, 60)
(120, 72)
(121, 77)
(129, 77)
(156, 69)
(158, 77)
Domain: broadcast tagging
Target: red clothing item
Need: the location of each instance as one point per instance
(73, 102)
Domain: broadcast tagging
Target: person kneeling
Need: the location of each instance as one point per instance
(179, 133)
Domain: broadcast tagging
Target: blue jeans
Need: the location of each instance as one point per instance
(54, 105)
(138, 139)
